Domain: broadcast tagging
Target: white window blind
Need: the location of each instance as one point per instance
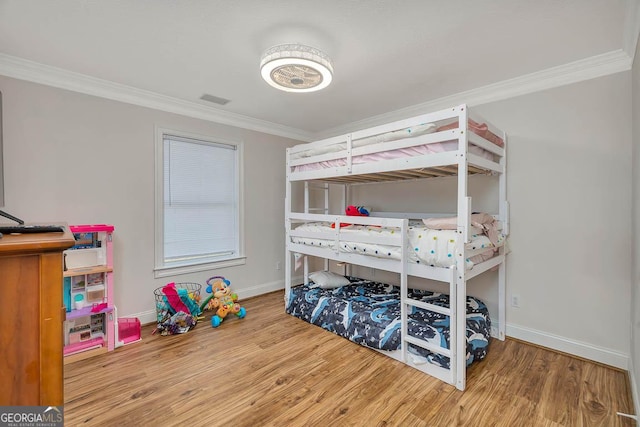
(200, 201)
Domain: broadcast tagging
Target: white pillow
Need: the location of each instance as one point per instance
(396, 134)
(328, 279)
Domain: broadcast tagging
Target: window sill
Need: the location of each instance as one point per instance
(194, 268)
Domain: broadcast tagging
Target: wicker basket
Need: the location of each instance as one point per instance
(164, 310)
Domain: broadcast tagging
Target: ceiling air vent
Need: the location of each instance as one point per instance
(214, 99)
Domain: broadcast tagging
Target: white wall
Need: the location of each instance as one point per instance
(569, 186)
(81, 159)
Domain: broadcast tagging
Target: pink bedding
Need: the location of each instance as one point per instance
(438, 147)
(482, 221)
(480, 129)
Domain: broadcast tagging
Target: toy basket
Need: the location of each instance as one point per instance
(164, 309)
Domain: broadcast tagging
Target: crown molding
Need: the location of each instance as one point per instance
(23, 69)
(573, 72)
(631, 28)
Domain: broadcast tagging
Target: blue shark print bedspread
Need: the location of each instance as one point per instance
(368, 313)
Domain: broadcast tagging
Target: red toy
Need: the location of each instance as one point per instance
(353, 211)
(173, 299)
(356, 211)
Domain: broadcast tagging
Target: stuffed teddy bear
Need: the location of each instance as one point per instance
(222, 300)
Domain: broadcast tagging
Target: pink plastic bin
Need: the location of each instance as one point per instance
(128, 330)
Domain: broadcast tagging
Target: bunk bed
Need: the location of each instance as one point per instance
(435, 333)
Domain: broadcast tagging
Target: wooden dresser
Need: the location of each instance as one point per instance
(31, 318)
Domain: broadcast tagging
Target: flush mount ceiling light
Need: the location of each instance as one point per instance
(296, 68)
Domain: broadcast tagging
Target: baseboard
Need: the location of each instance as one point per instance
(588, 351)
(634, 387)
(145, 317)
(149, 316)
(262, 288)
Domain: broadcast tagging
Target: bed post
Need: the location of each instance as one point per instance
(305, 261)
(287, 231)
(502, 270)
(325, 187)
(404, 284)
(458, 337)
(453, 321)
(346, 194)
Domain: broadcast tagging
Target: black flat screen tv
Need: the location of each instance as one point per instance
(2, 213)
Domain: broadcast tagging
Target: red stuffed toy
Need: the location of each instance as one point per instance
(353, 211)
(356, 211)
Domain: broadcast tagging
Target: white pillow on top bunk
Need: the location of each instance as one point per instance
(451, 222)
(328, 279)
(410, 132)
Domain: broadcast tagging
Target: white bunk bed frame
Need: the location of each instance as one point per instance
(460, 162)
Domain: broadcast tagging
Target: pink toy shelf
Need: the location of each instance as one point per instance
(92, 344)
(91, 228)
(88, 292)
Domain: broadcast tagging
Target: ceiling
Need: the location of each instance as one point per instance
(389, 56)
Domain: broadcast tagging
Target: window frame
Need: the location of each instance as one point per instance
(162, 270)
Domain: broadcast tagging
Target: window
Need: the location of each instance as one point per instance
(198, 203)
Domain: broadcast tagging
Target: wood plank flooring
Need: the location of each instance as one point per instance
(271, 369)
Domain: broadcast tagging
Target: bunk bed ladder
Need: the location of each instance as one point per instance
(407, 305)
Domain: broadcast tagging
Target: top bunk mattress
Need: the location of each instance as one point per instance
(412, 132)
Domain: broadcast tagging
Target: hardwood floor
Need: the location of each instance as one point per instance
(271, 369)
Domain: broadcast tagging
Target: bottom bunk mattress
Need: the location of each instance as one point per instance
(368, 313)
(430, 246)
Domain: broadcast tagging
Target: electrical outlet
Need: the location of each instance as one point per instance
(515, 301)
(278, 265)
